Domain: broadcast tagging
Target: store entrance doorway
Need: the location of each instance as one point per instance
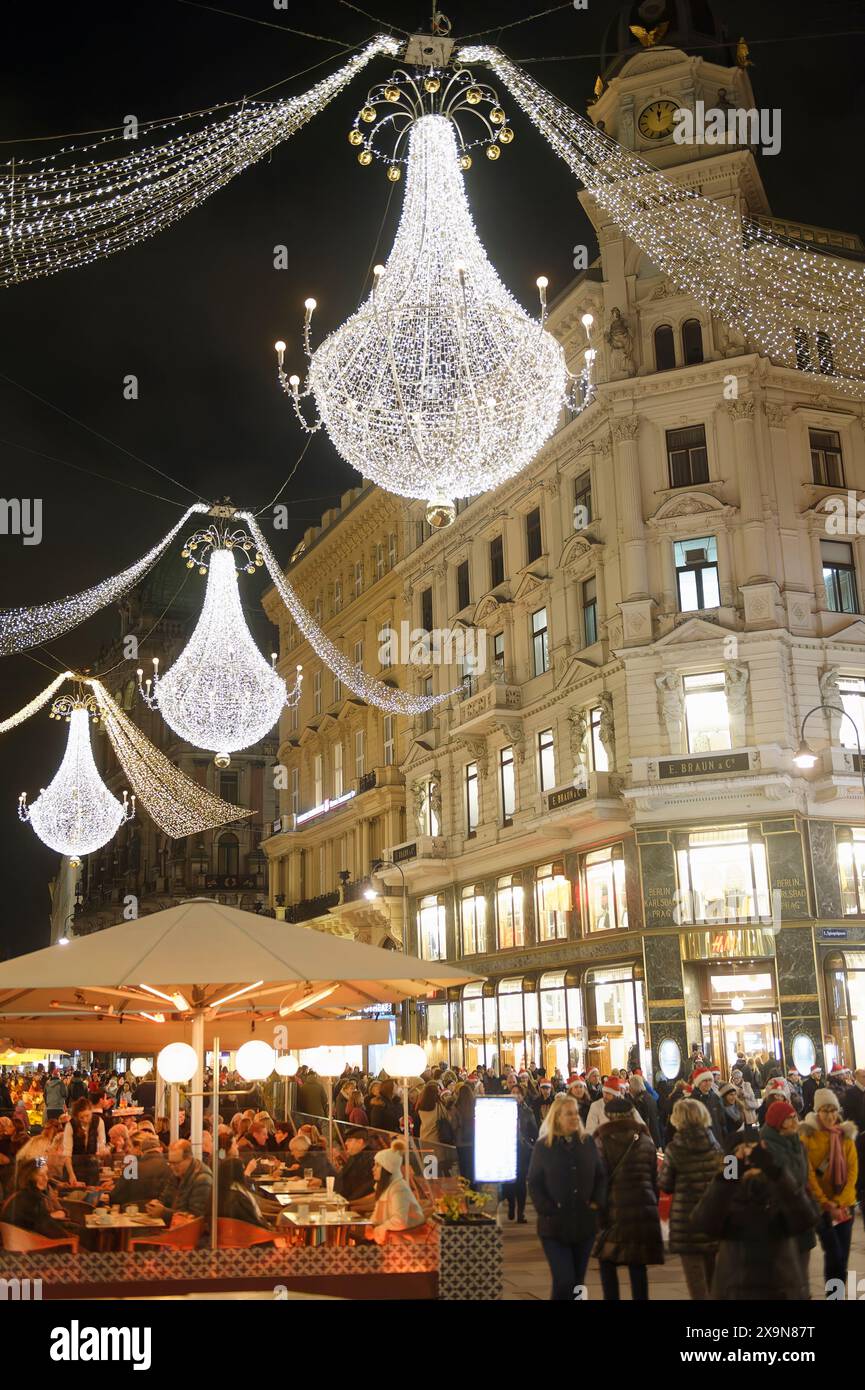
(728, 1034)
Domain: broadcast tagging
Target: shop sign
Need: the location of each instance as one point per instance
(329, 804)
(404, 852)
(703, 767)
(834, 933)
(565, 797)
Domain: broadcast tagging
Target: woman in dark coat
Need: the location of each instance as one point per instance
(462, 1117)
(566, 1182)
(630, 1227)
(756, 1211)
(28, 1206)
(514, 1193)
(780, 1135)
(692, 1159)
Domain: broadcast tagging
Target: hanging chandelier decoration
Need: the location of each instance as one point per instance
(76, 813)
(801, 308)
(67, 209)
(440, 386)
(220, 693)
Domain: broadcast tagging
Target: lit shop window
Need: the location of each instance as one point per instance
(615, 1019)
(509, 912)
(852, 692)
(431, 928)
(561, 1015)
(519, 1039)
(851, 869)
(473, 910)
(604, 882)
(722, 876)
(697, 573)
(553, 901)
(706, 715)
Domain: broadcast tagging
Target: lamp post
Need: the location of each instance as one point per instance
(375, 868)
(806, 757)
(405, 1060)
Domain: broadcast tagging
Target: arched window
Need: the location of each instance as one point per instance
(825, 354)
(229, 856)
(692, 342)
(665, 348)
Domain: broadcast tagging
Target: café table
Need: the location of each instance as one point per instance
(332, 1226)
(112, 1230)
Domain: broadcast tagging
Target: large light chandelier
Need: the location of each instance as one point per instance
(76, 813)
(440, 386)
(220, 694)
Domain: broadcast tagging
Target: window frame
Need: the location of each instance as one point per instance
(546, 752)
(542, 635)
(589, 610)
(694, 693)
(471, 791)
(507, 783)
(497, 560)
(826, 460)
(463, 584)
(514, 888)
(534, 535)
(698, 570)
(834, 588)
(689, 450)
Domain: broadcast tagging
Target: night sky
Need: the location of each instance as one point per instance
(194, 312)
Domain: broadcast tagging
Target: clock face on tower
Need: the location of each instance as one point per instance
(656, 120)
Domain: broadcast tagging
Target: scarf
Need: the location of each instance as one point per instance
(837, 1170)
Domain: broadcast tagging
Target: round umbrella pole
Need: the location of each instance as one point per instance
(174, 1122)
(214, 1209)
(405, 1128)
(196, 1116)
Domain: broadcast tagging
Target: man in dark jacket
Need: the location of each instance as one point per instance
(527, 1132)
(645, 1106)
(148, 1174)
(355, 1180)
(311, 1096)
(189, 1187)
(810, 1086)
(145, 1096)
(704, 1091)
(853, 1100)
(567, 1185)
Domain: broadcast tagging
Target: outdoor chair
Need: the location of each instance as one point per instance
(15, 1238)
(236, 1235)
(184, 1236)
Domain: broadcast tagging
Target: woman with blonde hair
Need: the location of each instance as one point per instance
(567, 1186)
(691, 1161)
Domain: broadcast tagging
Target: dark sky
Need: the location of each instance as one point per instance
(193, 313)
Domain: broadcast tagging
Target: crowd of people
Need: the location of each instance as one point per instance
(749, 1173)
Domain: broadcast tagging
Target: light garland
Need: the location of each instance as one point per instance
(440, 386)
(178, 805)
(21, 628)
(374, 692)
(54, 216)
(76, 813)
(37, 703)
(767, 290)
(220, 693)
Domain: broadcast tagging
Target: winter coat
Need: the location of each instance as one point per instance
(789, 1153)
(691, 1161)
(312, 1097)
(757, 1220)
(597, 1115)
(647, 1109)
(630, 1226)
(151, 1175)
(718, 1120)
(853, 1105)
(564, 1178)
(816, 1141)
(810, 1086)
(527, 1134)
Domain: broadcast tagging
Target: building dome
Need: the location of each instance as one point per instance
(693, 25)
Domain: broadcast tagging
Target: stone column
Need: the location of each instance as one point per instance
(363, 864)
(741, 413)
(627, 468)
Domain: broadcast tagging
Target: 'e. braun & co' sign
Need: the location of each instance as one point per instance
(703, 767)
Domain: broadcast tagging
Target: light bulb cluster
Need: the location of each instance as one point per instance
(220, 693)
(178, 805)
(440, 385)
(33, 706)
(76, 813)
(21, 628)
(778, 296)
(374, 692)
(55, 215)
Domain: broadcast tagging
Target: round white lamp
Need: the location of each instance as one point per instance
(405, 1060)
(329, 1061)
(176, 1063)
(140, 1066)
(255, 1060)
(286, 1065)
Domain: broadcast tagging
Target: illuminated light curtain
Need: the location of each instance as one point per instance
(55, 215)
(373, 691)
(178, 805)
(766, 289)
(37, 703)
(76, 813)
(21, 628)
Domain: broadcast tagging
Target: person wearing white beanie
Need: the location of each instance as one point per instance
(396, 1207)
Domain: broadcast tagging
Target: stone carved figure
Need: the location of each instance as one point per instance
(419, 797)
(672, 705)
(607, 730)
(830, 694)
(435, 806)
(578, 720)
(736, 678)
(621, 344)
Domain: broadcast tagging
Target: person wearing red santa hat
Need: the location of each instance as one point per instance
(776, 1089)
(593, 1082)
(704, 1091)
(614, 1088)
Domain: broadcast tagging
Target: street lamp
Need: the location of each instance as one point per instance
(405, 1060)
(806, 758)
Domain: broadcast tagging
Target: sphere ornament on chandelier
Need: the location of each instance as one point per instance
(220, 694)
(440, 386)
(76, 814)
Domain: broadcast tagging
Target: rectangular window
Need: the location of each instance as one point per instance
(600, 761)
(508, 783)
(604, 895)
(473, 912)
(852, 692)
(534, 543)
(229, 788)
(546, 760)
(295, 791)
(391, 550)
(499, 651)
(723, 876)
(687, 458)
(294, 718)
(497, 561)
(590, 611)
(337, 690)
(432, 928)
(463, 588)
(426, 610)
(428, 716)
(839, 576)
(337, 596)
(697, 574)
(510, 921)
(429, 808)
(827, 465)
(379, 561)
(851, 869)
(358, 654)
(338, 785)
(706, 715)
(318, 779)
(358, 578)
(553, 901)
(472, 800)
(582, 501)
(359, 753)
(540, 642)
(316, 693)
(387, 739)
